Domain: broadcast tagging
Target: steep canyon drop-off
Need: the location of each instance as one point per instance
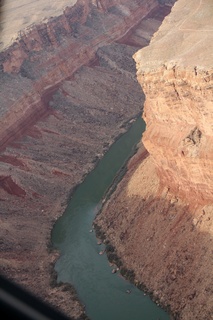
(68, 89)
(160, 217)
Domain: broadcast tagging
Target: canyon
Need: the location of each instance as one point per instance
(68, 89)
(160, 217)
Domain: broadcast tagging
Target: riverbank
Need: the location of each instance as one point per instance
(162, 243)
(104, 233)
(82, 260)
(42, 164)
(50, 161)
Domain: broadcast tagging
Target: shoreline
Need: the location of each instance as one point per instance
(55, 252)
(157, 235)
(113, 257)
(126, 273)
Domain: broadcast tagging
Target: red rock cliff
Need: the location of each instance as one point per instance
(160, 217)
(51, 34)
(51, 52)
(176, 74)
(46, 108)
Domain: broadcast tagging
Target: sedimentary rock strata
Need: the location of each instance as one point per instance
(44, 62)
(177, 81)
(160, 218)
(59, 80)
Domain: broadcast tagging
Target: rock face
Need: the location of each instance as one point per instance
(177, 79)
(57, 31)
(160, 217)
(51, 52)
(18, 16)
(60, 79)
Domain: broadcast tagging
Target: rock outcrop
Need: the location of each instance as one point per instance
(177, 80)
(160, 217)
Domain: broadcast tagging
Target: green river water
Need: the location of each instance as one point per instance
(103, 293)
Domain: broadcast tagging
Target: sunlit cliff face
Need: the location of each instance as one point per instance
(160, 217)
(176, 75)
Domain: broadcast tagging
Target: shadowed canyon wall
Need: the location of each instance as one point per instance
(160, 217)
(59, 80)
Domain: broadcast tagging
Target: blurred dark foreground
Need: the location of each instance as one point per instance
(16, 303)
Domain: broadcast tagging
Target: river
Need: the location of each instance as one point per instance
(103, 293)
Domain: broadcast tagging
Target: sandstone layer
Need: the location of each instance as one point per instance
(59, 80)
(160, 217)
(177, 81)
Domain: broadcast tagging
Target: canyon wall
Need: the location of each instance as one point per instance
(177, 79)
(54, 32)
(60, 79)
(17, 16)
(159, 220)
(51, 52)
